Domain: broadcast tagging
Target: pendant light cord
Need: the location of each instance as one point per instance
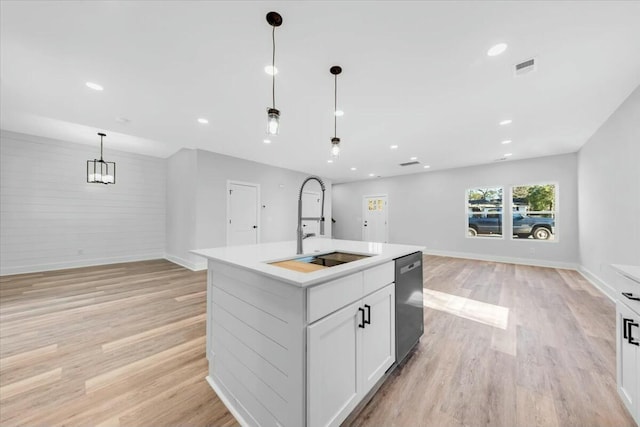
(335, 105)
(100, 147)
(273, 67)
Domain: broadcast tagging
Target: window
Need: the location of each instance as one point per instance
(534, 211)
(484, 212)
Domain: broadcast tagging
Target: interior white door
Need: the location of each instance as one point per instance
(375, 218)
(378, 336)
(332, 370)
(243, 203)
(311, 207)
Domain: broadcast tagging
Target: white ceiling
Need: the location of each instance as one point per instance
(416, 74)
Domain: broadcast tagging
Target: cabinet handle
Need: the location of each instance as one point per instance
(368, 307)
(631, 296)
(631, 340)
(361, 310)
(625, 325)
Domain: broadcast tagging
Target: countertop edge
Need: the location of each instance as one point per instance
(304, 280)
(631, 272)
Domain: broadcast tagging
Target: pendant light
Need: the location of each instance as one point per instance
(99, 171)
(335, 141)
(273, 114)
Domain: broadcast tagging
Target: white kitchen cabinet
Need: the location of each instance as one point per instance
(628, 337)
(348, 352)
(332, 370)
(378, 336)
(628, 353)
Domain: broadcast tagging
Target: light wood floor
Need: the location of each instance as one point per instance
(124, 345)
(114, 345)
(554, 363)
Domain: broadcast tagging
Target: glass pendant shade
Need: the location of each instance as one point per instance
(273, 121)
(335, 147)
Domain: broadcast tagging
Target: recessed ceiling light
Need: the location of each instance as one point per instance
(329, 161)
(271, 70)
(353, 169)
(339, 113)
(426, 166)
(266, 141)
(506, 122)
(506, 141)
(394, 147)
(508, 155)
(122, 120)
(497, 49)
(203, 121)
(414, 158)
(372, 174)
(94, 86)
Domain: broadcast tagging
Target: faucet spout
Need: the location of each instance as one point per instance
(300, 234)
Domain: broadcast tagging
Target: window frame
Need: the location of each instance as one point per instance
(466, 217)
(556, 234)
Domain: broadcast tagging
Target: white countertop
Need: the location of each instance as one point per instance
(629, 271)
(257, 257)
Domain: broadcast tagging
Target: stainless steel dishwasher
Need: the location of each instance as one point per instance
(409, 304)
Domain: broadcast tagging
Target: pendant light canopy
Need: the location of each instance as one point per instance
(335, 141)
(99, 171)
(273, 114)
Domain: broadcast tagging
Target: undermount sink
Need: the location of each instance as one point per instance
(309, 263)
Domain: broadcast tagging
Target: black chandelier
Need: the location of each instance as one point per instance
(99, 171)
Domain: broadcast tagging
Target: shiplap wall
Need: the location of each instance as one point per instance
(51, 218)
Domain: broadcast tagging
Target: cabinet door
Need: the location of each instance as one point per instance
(333, 358)
(627, 357)
(378, 336)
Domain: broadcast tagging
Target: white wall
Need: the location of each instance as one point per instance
(52, 218)
(181, 207)
(278, 192)
(430, 209)
(609, 195)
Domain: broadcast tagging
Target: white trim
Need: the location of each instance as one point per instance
(6, 271)
(221, 391)
(193, 266)
(386, 215)
(508, 260)
(598, 283)
(231, 182)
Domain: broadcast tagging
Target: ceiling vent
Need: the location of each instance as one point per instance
(410, 163)
(525, 67)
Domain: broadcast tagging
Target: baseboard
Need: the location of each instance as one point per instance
(508, 260)
(193, 266)
(6, 271)
(600, 284)
(221, 391)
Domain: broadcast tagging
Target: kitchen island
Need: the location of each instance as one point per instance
(293, 348)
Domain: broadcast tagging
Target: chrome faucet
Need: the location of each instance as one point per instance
(301, 235)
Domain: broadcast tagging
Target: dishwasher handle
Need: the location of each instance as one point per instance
(410, 267)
